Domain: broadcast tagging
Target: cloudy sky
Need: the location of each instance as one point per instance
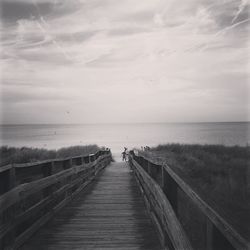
(101, 61)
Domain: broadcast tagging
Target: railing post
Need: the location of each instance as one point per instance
(96, 163)
(47, 171)
(163, 178)
(70, 191)
(12, 210)
(174, 196)
(149, 168)
(170, 188)
(52, 167)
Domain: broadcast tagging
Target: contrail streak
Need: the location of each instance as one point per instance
(241, 7)
(46, 33)
(203, 46)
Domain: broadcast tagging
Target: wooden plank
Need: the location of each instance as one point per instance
(4, 229)
(31, 211)
(150, 212)
(158, 226)
(223, 226)
(81, 187)
(24, 190)
(5, 168)
(175, 231)
(38, 163)
(109, 214)
(30, 231)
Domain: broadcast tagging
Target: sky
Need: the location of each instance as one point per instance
(109, 61)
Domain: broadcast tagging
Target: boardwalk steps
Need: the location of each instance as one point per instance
(110, 214)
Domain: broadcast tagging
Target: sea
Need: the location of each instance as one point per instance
(118, 136)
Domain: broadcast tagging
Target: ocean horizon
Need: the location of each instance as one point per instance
(116, 136)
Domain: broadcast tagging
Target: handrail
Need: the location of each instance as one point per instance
(36, 163)
(161, 211)
(26, 206)
(24, 190)
(227, 230)
(215, 223)
(11, 175)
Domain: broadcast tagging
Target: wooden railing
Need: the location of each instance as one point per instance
(183, 219)
(30, 194)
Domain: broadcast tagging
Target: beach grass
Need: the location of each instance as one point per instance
(26, 154)
(219, 174)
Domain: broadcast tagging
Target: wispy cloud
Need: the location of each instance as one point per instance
(242, 6)
(109, 55)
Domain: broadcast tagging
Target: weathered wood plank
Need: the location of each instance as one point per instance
(109, 214)
(19, 218)
(24, 190)
(172, 225)
(237, 241)
(5, 168)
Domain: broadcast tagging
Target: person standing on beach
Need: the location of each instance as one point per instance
(124, 154)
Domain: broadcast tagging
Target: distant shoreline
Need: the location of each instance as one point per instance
(120, 123)
(118, 136)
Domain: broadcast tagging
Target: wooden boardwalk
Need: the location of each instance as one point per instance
(109, 214)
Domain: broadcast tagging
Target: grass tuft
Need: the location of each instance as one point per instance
(219, 174)
(25, 154)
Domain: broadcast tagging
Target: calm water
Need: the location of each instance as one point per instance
(116, 136)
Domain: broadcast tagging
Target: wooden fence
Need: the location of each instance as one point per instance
(30, 194)
(183, 219)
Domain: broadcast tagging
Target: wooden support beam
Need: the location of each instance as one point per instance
(149, 168)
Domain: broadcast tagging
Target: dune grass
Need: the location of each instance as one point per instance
(25, 154)
(219, 174)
